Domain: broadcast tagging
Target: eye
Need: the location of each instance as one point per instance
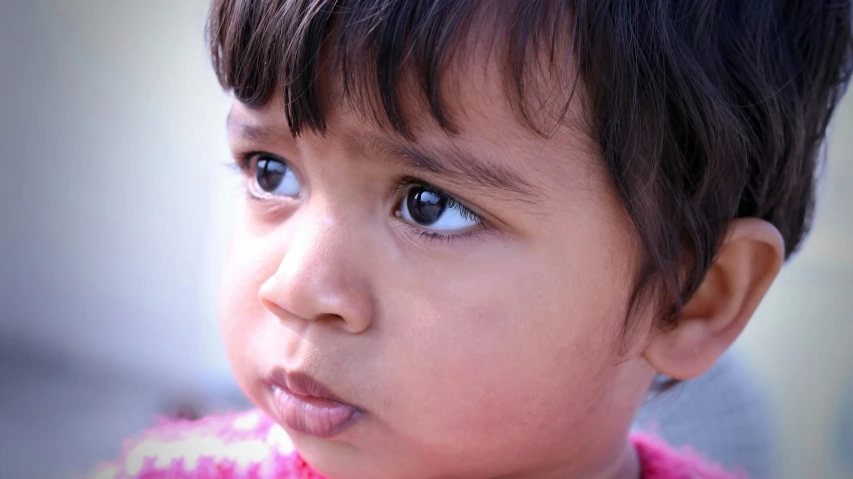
(273, 177)
(434, 210)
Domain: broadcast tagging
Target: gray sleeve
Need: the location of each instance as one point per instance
(722, 415)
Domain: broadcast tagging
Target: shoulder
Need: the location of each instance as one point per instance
(660, 461)
(235, 446)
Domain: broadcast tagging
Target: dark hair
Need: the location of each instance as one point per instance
(705, 110)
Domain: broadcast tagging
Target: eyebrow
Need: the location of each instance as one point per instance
(454, 165)
(461, 168)
(256, 132)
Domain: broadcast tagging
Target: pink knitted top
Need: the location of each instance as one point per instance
(251, 446)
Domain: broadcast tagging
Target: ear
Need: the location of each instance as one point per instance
(748, 261)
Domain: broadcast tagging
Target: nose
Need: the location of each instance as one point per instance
(321, 277)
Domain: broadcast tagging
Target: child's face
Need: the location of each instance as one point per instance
(470, 350)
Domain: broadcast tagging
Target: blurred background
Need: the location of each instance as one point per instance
(115, 204)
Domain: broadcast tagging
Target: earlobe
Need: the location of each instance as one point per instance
(748, 261)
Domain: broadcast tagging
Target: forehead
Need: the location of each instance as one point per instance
(477, 98)
(476, 86)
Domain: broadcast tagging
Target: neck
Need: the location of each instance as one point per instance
(626, 466)
(623, 463)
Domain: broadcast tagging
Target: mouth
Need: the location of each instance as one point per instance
(307, 406)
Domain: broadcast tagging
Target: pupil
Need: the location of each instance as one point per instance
(269, 174)
(425, 206)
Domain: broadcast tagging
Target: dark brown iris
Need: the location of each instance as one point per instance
(425, 206)
(269, 173)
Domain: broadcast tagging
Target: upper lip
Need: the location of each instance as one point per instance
(302, 384)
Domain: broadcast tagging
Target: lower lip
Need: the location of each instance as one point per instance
(317, 417)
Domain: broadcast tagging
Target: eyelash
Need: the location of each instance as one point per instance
(408, 182)
(243, 161)
(243, 164)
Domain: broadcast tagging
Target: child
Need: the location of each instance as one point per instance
(474, 232)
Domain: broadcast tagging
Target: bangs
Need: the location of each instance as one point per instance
(386, 53)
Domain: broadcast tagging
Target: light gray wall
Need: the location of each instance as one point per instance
(800, 339)
(111, 150)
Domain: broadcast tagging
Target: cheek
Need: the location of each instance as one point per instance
(251, 261)
(522, 349)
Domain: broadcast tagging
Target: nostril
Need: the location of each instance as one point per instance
(275, 309)
(331, 318)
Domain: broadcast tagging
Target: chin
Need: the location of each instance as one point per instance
(335, 460)
(341, 460)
